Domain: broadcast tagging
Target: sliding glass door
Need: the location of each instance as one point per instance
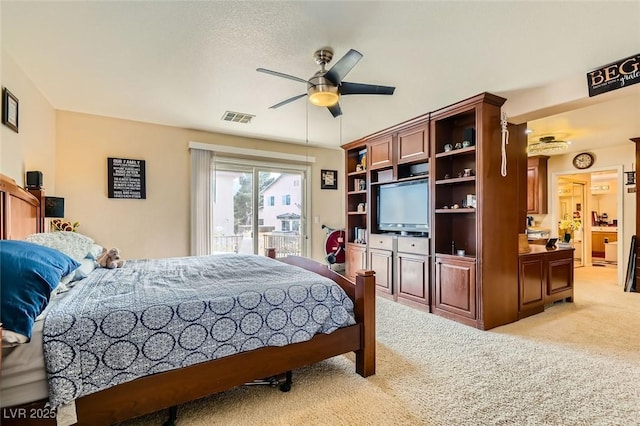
(257, 206)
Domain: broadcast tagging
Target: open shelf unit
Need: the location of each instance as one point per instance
(477, 286)
(357, 185)
(468, 210)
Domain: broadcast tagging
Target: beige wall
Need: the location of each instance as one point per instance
(159, 225)
(33, 148)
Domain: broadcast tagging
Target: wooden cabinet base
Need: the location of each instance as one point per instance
(559, 277)
(544, 277)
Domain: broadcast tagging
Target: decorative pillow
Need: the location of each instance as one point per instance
(29, 274)
(95, 251)
(74, 245)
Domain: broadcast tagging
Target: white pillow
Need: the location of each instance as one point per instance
(73, 244)
(95, 251)
(11, 339)
(86, 267)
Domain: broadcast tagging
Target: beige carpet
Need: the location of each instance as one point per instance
(575, 364)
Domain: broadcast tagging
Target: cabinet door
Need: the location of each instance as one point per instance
(537, 185)
(381, 261)
(597, 242)
(380, 152)
(355, 259)
(559, 276)
(413, 277)
(455, 286)
(413, 144)
(531, 286)
(532, 190)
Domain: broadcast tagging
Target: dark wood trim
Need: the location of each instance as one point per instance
(464, 105)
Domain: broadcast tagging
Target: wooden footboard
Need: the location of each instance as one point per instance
(362, 292)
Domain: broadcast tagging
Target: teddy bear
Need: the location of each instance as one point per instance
(110, 259)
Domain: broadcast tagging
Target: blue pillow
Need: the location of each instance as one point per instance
(28, 274)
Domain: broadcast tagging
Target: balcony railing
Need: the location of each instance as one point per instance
(226, 243)
(285, 244)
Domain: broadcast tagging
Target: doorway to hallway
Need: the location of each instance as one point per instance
(595, 200)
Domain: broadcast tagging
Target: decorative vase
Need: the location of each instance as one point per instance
(567, 237)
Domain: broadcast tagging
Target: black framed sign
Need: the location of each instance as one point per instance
(9, 110)
(126, 178)
(329, 179)
(622, 73)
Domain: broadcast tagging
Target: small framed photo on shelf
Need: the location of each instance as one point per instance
(329, 179)
(9, 110)
(359, 184)
(362, 159)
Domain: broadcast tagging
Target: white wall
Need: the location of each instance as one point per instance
(606, 203)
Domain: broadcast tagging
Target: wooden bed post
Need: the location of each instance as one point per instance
(365, 309)
(39, 194)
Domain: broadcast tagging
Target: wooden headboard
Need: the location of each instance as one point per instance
(22, 211)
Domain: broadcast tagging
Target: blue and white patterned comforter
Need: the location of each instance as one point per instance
(157, 315)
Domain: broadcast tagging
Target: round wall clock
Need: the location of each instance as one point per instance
(584, 160)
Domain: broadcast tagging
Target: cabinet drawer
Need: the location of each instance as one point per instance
(413, 245)
(383, 242)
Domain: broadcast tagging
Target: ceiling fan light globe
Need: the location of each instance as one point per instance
(323, 99)
(321, 91)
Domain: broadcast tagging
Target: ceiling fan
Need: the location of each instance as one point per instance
(325, 87)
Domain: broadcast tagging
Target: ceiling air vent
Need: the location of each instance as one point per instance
(237, 117)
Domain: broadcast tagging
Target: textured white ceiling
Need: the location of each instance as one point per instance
(185, 63)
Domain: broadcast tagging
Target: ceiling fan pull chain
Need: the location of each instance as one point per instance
(505, 141)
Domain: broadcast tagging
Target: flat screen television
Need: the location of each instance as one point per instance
(404, 206)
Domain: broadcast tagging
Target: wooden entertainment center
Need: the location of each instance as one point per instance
(465, 265)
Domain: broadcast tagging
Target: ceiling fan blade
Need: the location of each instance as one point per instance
(341, 68)
(335, 110)
(279, 74)
(286, 101)
(347, 88)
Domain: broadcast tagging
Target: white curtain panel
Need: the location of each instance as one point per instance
(201, 201)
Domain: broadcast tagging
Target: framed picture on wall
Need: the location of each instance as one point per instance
(329, 179)
(9, 110)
